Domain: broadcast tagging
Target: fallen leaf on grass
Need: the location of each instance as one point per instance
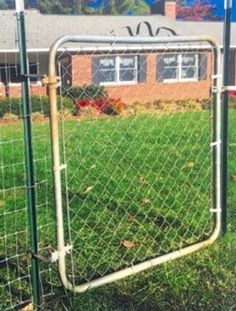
(131, 218)
(142, 180)
(2, 203)
(145, 200)
(28, 307)
(190, 164)
(128, 244)
(88, 189)
(233, 178)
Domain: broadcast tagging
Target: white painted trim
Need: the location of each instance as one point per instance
(18, 84)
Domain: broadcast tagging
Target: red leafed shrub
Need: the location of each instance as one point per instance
(199, 11)
(114, 106)
(232, 94)
(110, 106)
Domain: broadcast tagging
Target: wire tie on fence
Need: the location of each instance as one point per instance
(216, 76)
(60, 168)
(215, 210)
(31, 186)
(25, 116)
(215, 143)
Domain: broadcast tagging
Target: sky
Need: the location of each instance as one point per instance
(218, 3)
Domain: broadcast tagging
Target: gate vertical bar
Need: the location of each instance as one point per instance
(29, 161)
(225, 99)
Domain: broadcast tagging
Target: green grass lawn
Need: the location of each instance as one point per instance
(145, 180)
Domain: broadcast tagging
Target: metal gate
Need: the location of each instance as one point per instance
(137, 168)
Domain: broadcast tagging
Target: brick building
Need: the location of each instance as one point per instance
(144, 75)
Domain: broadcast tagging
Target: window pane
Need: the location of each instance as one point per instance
(127, 75)
(170, 60)
(127, 62)
(170, 66)
(170, 73)
(33, 70)
(13, 74)
(107, 76)
(188, 59)
(188, 72)
(107, 63)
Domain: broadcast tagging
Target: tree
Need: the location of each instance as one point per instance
(199, 11)
(122, 7)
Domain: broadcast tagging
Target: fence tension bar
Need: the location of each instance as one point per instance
(29, 161)
(225, 100)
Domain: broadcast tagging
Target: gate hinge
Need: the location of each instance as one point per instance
(217, 89)
(229, 88)
(54, 80)
(54, 256)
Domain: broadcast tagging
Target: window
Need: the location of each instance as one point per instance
(10, 74)
(178, 67)
(115, 69)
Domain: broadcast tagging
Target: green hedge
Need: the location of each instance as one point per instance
(38, 104)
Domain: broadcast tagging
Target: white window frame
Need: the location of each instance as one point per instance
(179, 70)
(117, 72)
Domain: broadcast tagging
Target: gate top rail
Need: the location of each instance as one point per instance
(125, 40)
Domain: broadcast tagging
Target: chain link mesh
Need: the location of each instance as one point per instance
(138, 154)
(15, 262)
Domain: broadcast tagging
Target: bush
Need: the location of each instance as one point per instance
(65, 114)
(87, 91)
(37, 116)
(89, 112)
(10, 117)
(38, 104)
(110, 106)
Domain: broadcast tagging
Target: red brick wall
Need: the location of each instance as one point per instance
(149, 90)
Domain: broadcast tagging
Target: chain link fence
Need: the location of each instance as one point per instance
(138, 179)
(138, 142)
(15, 256)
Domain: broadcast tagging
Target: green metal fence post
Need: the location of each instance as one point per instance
(29, 161)
(225, 99)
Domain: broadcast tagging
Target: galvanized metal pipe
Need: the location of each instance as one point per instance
(56, 158)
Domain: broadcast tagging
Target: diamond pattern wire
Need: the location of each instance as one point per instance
(15, 280)
(138, 182)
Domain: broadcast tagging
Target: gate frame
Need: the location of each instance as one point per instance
(52, 81)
